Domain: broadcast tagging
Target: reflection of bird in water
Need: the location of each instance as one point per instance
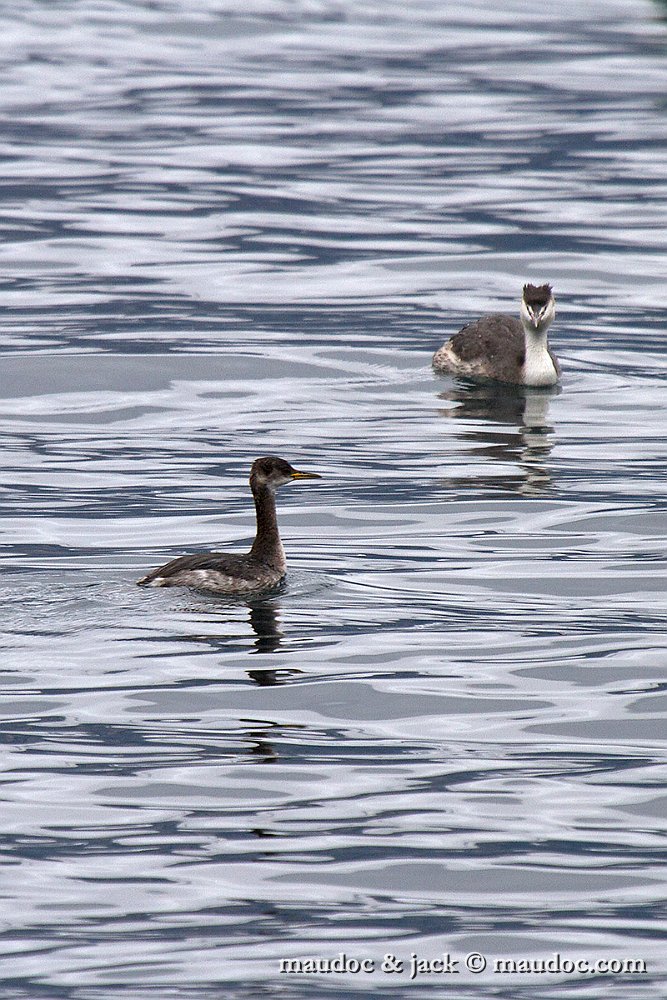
(504, 348)
(230, 640)
(266, 626)
(505, 424)
(230, 573)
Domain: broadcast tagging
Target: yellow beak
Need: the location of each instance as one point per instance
(304, 475)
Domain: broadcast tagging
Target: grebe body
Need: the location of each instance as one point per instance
(262, 567)
(505, 349)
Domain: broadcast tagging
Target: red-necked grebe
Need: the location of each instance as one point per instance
(230, 573)
(506, 349)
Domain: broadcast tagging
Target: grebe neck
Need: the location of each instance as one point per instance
(267, 547)
(538, 365)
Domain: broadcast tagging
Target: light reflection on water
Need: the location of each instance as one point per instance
(239, 232)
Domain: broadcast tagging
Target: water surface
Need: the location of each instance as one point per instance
(241, 230)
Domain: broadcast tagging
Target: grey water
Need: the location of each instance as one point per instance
(235, 229)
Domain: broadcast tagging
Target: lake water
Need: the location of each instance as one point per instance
(237, 229)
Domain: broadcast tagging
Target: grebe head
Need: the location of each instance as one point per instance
(538, 307)
(271, 472)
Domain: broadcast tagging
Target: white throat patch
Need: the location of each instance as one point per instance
(538, 368)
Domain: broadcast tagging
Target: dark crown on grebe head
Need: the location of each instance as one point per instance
(538, 307)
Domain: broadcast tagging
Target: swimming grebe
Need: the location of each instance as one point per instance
(503, 348)
(230, 573)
